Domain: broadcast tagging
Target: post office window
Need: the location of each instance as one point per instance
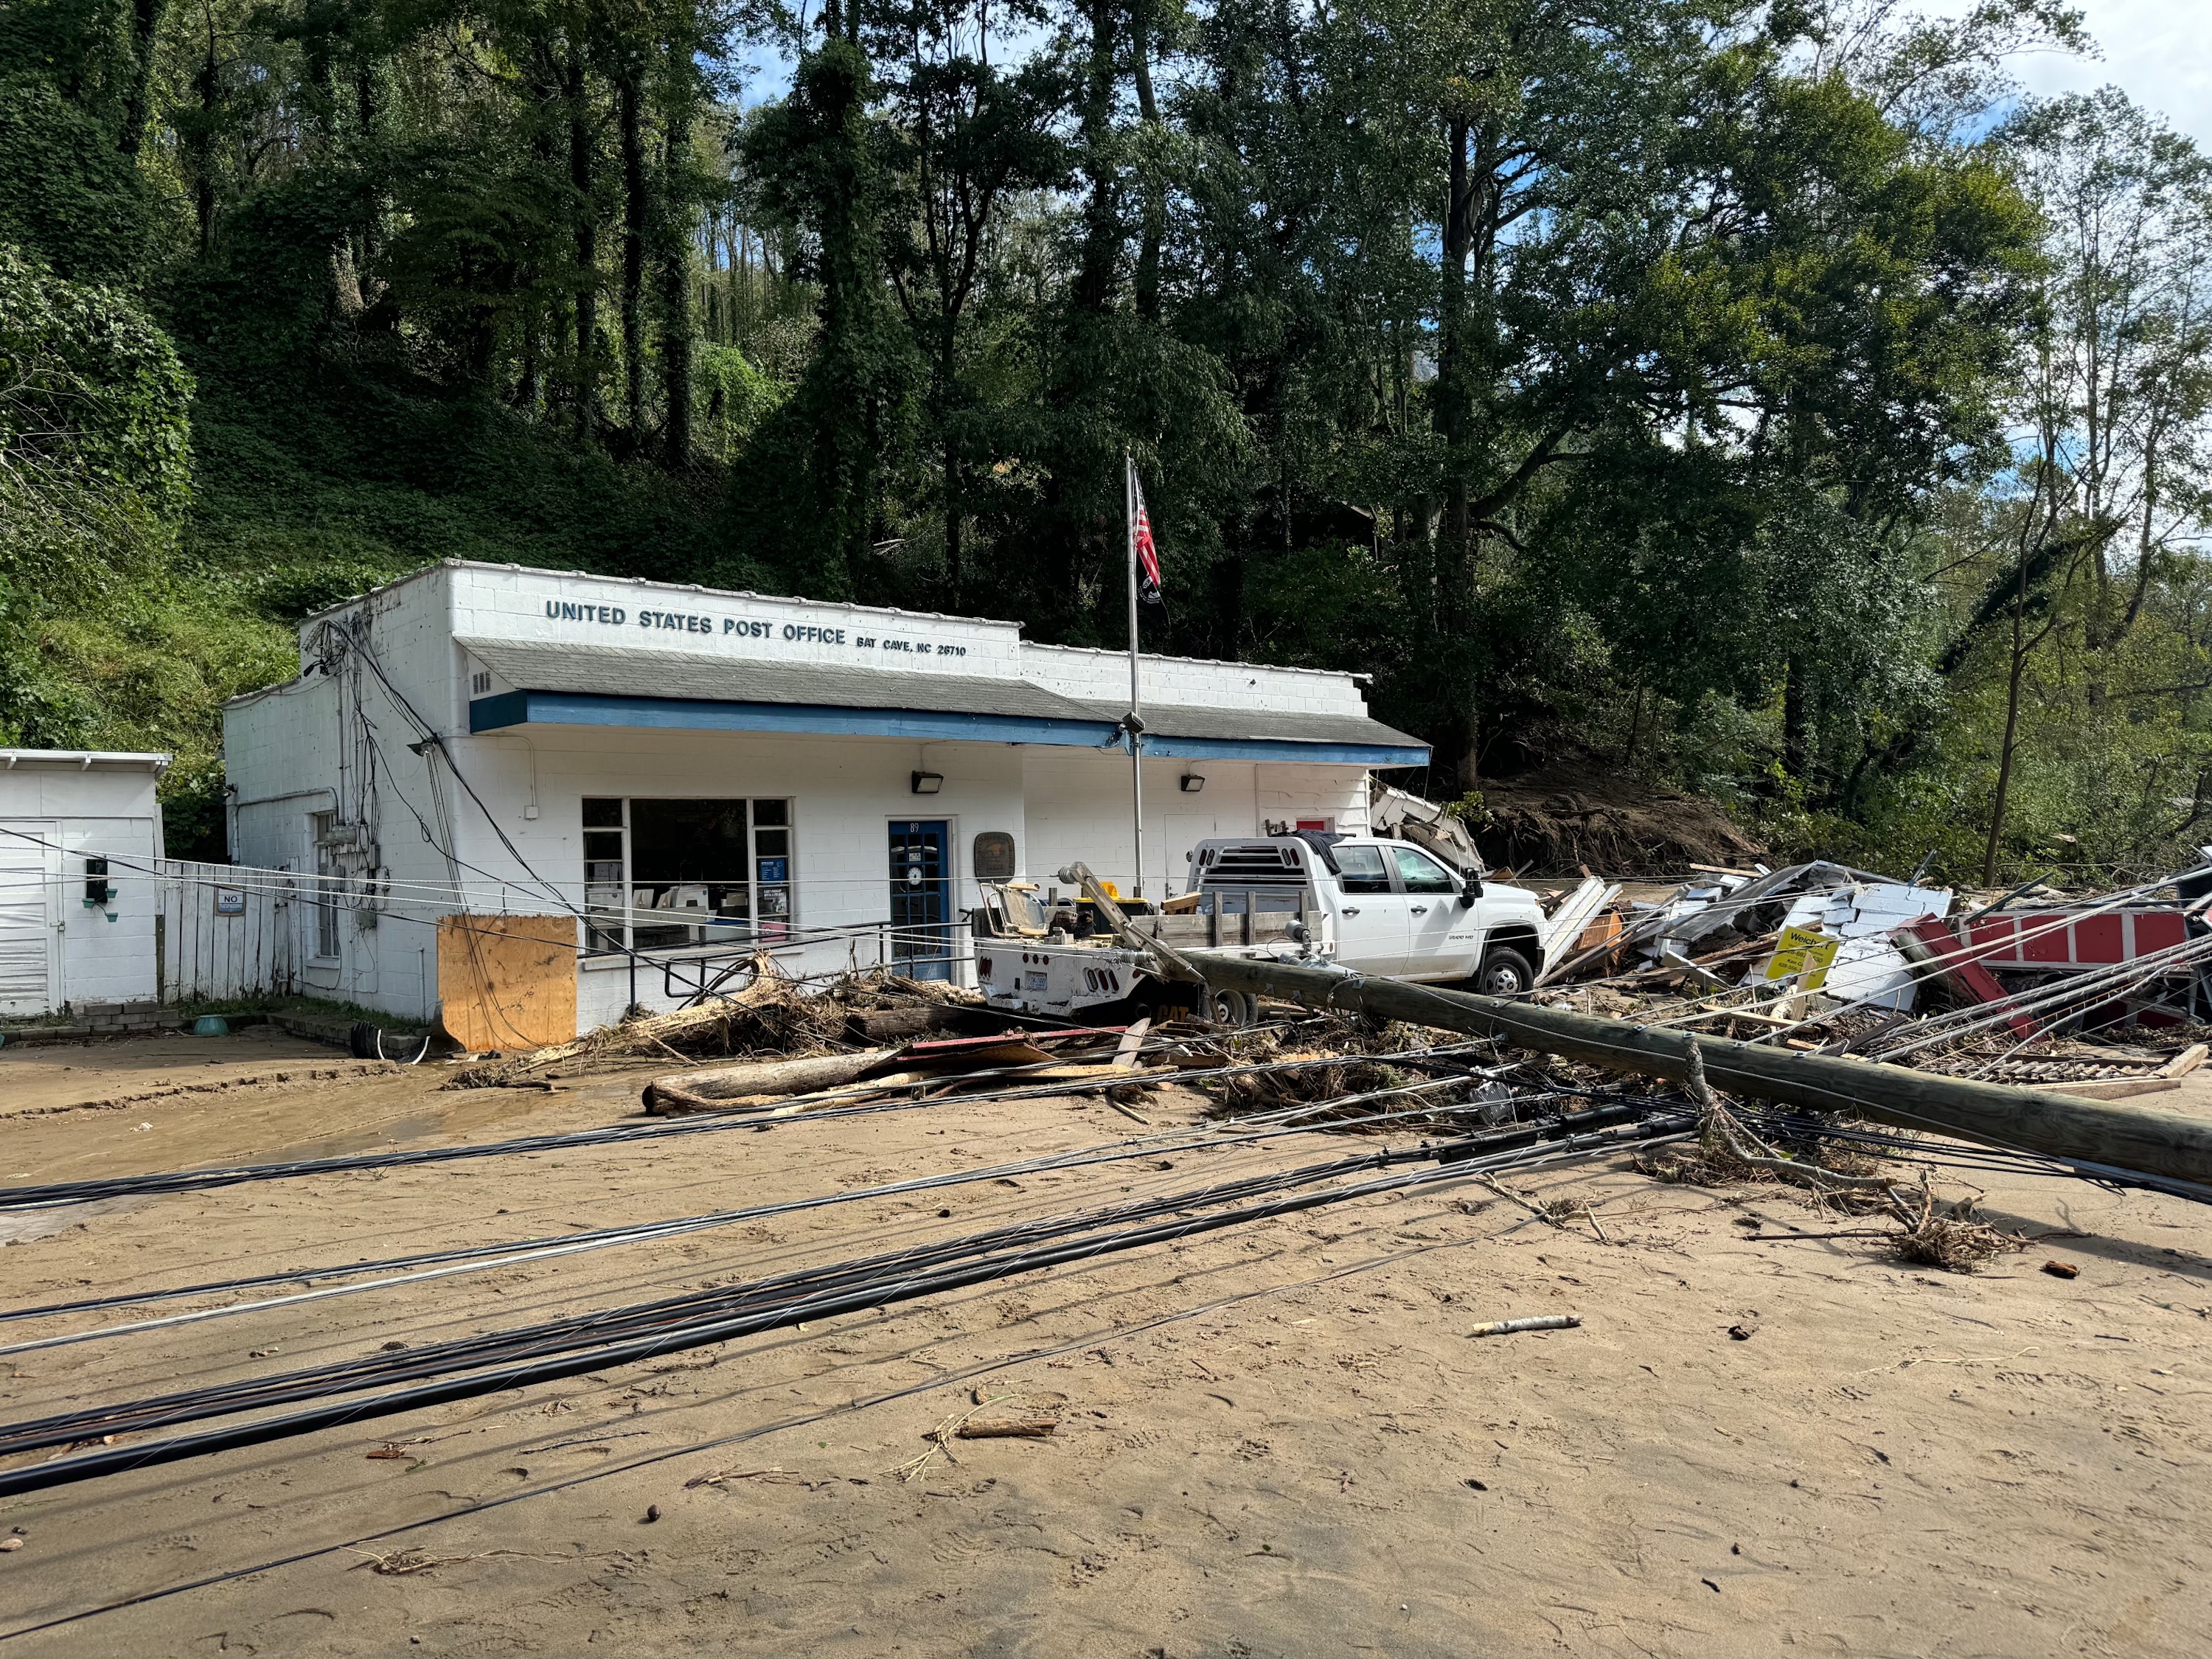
(665, 874)
(1360, 869)
(1419, 873)
(323, 828)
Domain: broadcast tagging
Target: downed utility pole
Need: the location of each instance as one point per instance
(2136, 1138)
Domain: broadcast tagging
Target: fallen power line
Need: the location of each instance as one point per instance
(49, 1195)
(439, 1264)
(624, 1336)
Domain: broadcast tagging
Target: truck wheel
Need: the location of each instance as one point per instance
(1505, 973)
(1228, 1008)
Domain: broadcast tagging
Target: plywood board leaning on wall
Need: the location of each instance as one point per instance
(507, 983)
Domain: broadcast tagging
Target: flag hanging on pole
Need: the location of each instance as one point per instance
(1148, 555)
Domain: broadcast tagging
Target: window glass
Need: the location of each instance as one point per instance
(687, 871)
(1422, 874)
(1360, 869)
(663, 875)
(326, 889)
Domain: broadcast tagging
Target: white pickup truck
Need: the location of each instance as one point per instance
(1373, 906)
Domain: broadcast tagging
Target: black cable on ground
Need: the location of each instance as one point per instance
(602, 1326)
(50, 1194)
(1971, 1154)
(1198, 1139)
(848, 1299)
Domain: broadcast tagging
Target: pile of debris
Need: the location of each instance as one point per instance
(1822, 956)
(773, 1015)
(1071, 1060)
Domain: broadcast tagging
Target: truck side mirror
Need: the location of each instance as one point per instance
(1472, 889)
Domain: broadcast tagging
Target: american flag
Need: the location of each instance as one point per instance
(1148, 553)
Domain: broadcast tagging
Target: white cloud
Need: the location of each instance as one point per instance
(2157, 52)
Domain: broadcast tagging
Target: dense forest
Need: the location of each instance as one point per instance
(1765, 399)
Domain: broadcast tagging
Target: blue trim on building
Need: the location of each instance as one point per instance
(492, 713)
(511, 709)
(811, 719)
(1284, 749)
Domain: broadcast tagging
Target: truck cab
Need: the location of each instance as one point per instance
(1387, 906)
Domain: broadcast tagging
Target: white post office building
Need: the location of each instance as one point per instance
(692, 774)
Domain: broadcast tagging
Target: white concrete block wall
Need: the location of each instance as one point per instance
(494, 602)
(846, 794)
(1183, 682)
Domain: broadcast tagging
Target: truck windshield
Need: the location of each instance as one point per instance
(1360, 869)
(1018, 907)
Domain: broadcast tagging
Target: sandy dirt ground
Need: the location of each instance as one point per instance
(1273, 1440)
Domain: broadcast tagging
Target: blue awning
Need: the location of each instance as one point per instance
(508, 708)
(619, 687)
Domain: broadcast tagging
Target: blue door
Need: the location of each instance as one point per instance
(922, 899)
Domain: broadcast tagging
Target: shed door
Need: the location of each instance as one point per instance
(922, 899)
(30, 953)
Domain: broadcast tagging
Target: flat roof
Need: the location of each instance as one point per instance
(624, 686)
(83, 760)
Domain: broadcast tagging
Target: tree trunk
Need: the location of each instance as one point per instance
(1156, 210)
(370, 100)
(2005, 750)
(588, 250)
(200, 144)
(676, 273)
(145, 22)
(1101, 232)
(1451, 358)
(1797, 723)
(636, 205)
(954, 576)
(525, 379)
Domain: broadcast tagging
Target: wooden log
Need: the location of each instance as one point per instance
(668, 1096)
(704, 1090)
(2136, 1138)
(782, 1076)
(1007, 1428)
(890, 1025)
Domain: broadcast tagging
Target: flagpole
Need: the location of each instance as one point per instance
(1136, 727)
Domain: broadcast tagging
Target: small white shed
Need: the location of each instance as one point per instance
(80, 845)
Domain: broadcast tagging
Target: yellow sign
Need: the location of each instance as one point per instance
(1805, 951)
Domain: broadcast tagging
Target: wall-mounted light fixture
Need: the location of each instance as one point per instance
(929, 783)
(1192, 783)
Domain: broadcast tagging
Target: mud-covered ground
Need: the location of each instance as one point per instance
(1273, 1440)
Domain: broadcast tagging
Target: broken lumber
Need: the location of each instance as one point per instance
(2186, 1062)
(2133, 1138)
(2116, 1088)
(1930, 944)
(1534, 1323)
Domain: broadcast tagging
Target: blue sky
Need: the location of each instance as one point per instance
(2157, 52)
